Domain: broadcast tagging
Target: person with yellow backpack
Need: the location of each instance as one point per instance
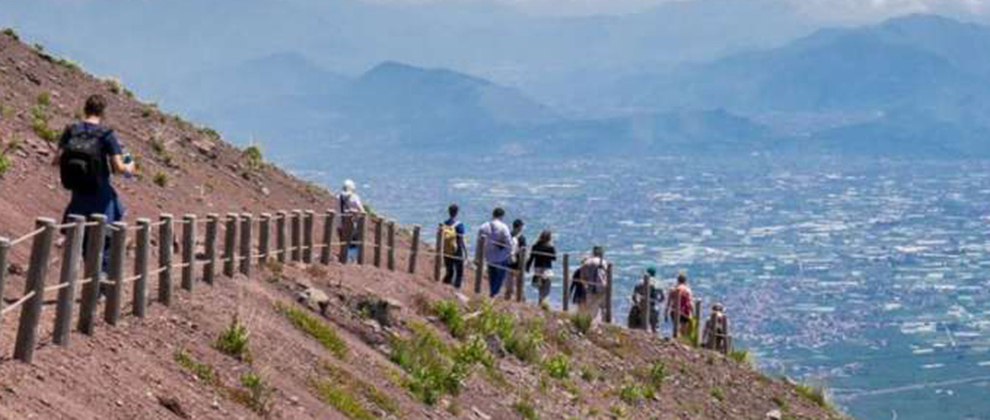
(454, 247)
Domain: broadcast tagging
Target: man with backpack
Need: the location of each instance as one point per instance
(350, 209)
(498, 250)
(680, 306)
(646, 299)
(87, 153)
(593, 276)
(454, 247)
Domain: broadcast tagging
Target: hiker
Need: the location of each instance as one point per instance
(541, 260)
(717, 330)
(637, 320)
(593, 279)
(518, 244)
(350, 208)
(498, 250)
(454, 247)
(88, 152)
(680, 306)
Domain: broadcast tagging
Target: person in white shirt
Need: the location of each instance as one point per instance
(498, 249)
(350, 205)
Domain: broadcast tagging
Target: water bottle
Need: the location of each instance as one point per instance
(128, 159)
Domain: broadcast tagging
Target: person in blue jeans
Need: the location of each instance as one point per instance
(455, 249)
(498, 249)
(87, 153)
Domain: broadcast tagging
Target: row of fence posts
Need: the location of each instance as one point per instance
(296, 246)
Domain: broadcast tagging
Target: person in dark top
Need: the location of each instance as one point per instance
(656, 298)
(518, 242)
(455, 247)
(99, 196)
(541, 260)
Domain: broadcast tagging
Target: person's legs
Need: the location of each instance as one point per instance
(496, 276)
(458, 273)
(448, 264)
(544, 283)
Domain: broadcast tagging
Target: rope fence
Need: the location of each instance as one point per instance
(236, 242)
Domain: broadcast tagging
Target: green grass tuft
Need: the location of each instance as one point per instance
(160, 179)
(450, 315)
(341, 399)
(233, 341)
(815, 394)
(581, 323)
(315, 328)
(558, 367)
(524, 407)
(257, 395)
(253, 157)
(202, 371)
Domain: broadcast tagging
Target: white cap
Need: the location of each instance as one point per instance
(349, 185)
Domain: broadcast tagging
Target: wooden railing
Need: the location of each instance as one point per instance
(294, 241)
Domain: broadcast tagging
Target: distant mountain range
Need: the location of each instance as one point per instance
(909, 86)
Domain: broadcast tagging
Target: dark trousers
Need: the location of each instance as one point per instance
(496, 276)
(455, 271)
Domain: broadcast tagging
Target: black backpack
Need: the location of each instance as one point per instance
(83, 164)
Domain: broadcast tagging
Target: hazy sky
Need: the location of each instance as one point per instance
(824, 9)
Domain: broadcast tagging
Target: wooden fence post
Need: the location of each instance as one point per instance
(362, 249)
(347, 234)
(479, 262)
(142, 256)
(415, 250)
(438, 254)
(296, 236)
(229, 246)
(308, 236)
(646, 306)
(92, 269)
(391, 245)
(328, 219)
(378, 242)
(247, 222)
(697, 322)
(210, 269)
(118, 252)
(4, 251)
(188, 251)
(264, 237)
(608, 296)
(165, 241)
(72, 252)
(27, 330)
(567, 282)
(520, 290)
(280, 241)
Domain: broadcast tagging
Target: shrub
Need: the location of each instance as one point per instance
(717, 393)
(815, 394)
(558, 367)
(741, 357)
(581, 323)
(658, 372)
(632, 393)
(158, 146)
(450, 315)
(425, 357)
(44, 99)
(10, 33)
(202, 371)
(525, 345)
(233, 341)
(347, 381)
(160, 179)
(39, 124)
(474, 351)
(257, 394)
(316, 329)
(525, 409)
(4, 163)
(341, 399)
(253, 157)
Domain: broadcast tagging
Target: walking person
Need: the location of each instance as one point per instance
(88, 152)
(646, 300)
(680, 306)
(350, 209)
(593, 275)
(498, 250)
(717, 330)
(541, 259)
(454, 247)
(518, 244)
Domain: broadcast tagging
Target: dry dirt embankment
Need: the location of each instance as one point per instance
(387, 345)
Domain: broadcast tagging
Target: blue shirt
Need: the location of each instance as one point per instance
(104, 199)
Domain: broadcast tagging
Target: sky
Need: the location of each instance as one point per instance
(830, 10)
